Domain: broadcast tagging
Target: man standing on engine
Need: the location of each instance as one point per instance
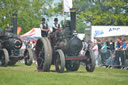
(44, 28)
(56, 26)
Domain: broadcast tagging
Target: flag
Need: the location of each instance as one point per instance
(19, 30)
(67, 5)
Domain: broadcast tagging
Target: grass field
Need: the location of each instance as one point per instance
(27, 75)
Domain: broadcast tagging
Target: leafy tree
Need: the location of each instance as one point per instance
(80, 26)
(29, 12)
(106, 12)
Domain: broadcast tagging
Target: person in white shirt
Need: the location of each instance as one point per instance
(44, 28)
(95, 49)
(56, 26)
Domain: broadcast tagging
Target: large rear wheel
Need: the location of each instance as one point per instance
(44, 54)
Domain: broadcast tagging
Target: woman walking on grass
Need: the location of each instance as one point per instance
(95, 49)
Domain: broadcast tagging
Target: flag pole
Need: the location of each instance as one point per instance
(63, 12)
(67, 4)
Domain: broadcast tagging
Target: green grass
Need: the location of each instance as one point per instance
(28, 75)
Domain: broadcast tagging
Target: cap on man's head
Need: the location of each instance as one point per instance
(43, 19)
(56, 19)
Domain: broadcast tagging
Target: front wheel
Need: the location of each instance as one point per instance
(90, 64)
(28, 56)
(59, 61)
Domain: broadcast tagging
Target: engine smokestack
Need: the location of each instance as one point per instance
(73, 18)
(14, 18)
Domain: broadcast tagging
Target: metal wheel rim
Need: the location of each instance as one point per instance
(28, 56)
(43, 54)
(90, 65)
(40, 57)
(60, 61)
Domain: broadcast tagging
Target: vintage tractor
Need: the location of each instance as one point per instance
(10, 44)
(62, 49)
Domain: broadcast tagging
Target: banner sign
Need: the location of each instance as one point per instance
(108, 31)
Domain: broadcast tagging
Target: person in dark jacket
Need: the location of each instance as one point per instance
(112, 46)
(44, 28)
(56, 26)
(117, 54)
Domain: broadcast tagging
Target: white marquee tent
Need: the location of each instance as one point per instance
(108, 31)
(34, 32)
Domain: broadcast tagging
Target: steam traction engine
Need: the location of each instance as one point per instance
(10, 44)
(62, 49)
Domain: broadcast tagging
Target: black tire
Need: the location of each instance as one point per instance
(44, 54)
(90, 65)
(59, 61)
(72, 65)
(49, 53)
(28, 57)
(4, 57)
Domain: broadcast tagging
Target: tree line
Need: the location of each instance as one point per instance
(29, 12)
(95, 12)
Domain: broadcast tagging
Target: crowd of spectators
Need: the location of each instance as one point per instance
(109, 53)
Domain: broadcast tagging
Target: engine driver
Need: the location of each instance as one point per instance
(56, 26)
(44, 28)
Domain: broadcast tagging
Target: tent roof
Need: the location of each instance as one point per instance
(34, 32)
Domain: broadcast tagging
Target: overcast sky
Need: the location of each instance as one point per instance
(57, 1)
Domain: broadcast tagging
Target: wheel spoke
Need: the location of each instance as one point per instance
(41, 59)
(40, 62)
